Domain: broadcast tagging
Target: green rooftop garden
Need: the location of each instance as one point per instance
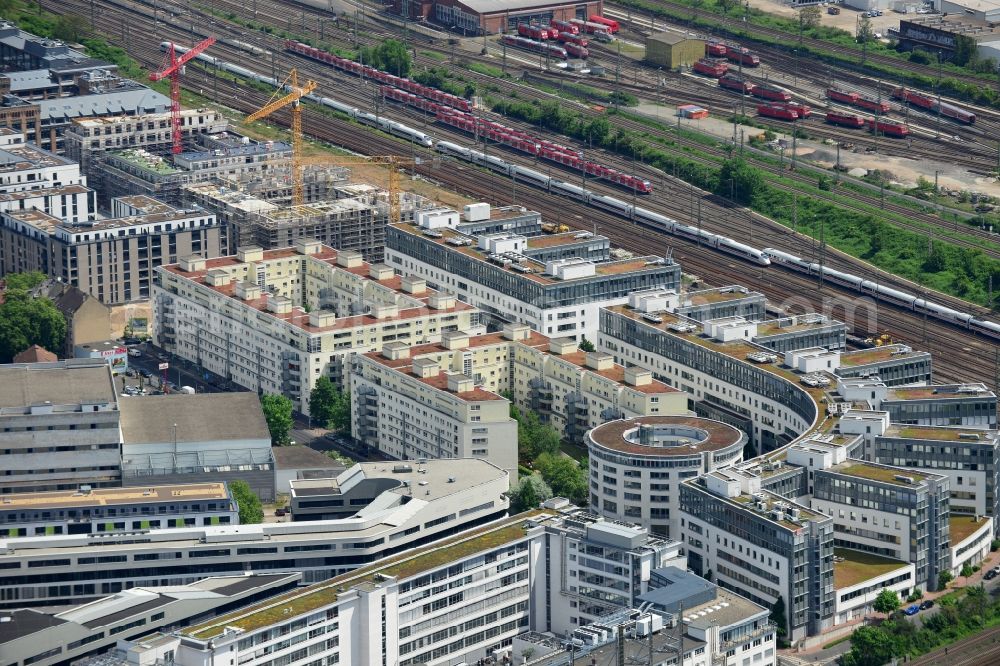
(961, 527)
(884, 474)
(858, 567)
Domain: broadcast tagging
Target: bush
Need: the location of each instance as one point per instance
(995, 545)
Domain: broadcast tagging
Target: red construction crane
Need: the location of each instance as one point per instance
(172, 67)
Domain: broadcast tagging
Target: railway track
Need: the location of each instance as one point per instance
(798, 292)
(983, 649)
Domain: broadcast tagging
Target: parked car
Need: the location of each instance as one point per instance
(912, 609)
(990, 575)
(281, 512)
(145, 373)
(927, 603)
(134, 353)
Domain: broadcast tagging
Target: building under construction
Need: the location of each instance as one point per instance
(88, 140)
(218, 157)
(347, 223)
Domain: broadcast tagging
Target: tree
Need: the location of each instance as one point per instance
(533, 437)
(866, 33)
(278, 413)
(870, 646)
(966, 571)
(726, 5)
(886, 602)
(24, 281)
(529, 493)
(740, 182)
(330, 407)
(391, 55)
(586, 345)
(26, 321)
(809, 17)
(565, 476)
(944, 578)
(779, 619)
(251, 511)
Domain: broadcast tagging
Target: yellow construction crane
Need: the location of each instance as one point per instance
(296, 93)
(391, 162)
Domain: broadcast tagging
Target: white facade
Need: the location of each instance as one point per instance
(855, 601)
(245, 318)
(974, 548)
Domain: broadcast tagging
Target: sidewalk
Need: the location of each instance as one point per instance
(817, 654)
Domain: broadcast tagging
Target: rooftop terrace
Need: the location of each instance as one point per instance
(851, 567)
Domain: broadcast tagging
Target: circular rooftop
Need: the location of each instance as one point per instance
(660, 436)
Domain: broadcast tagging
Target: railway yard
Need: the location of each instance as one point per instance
(963, 354)
(593, 248)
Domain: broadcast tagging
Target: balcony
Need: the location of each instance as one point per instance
(725, 646)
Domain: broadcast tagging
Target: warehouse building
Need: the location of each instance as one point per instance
(966, 30)
(476, 17)
(673, 50)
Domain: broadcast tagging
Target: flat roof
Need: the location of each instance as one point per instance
(737, 349)
(878, 355)
(671, 37)
(299, 457)
(961, 24)
(565, 238)
(171, 215)
(60, 383)
(883, 473)
(472, 250)
(491, 6)
(961, 527)
(794, 325)
(851, 567)
(717, 295)
(725, 610)
(114, 496)
(202, 417)
(944, 433)
(44, 192)
(432, 479)
(536, 341)
(720, 435)
(939, 391)
(298, 317)
(405, 565)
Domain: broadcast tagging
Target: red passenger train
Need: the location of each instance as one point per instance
(742, 55)
(347, 65)
(931, 104)
(771, 93)
(564, 26)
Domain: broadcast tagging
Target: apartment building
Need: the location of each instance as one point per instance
(34, 638)
(88, 140)
(274, 321)
(638, 464)
(559, 298)
(92, 511)
(432, 500)
(730, 301)
(761, 545)
(444, 399)
(113, 259)
(725, 376)
(28, 167)
(47, 84)
(801, 332)
(218, 157)
(343, 223)
(59, 426)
